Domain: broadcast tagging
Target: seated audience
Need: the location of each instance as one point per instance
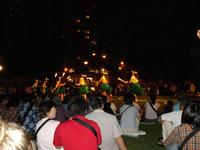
(190, 121)
(71, 134)
(47, 111)
(151, 110)
(170, 120)
(168, 107)
(107, 105)
(110, 129)
(130, 117)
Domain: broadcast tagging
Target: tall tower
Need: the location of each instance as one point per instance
(80, 35)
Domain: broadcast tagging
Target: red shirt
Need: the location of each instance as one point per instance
(71, 135)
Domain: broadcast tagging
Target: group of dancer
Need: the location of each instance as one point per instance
(85, 88)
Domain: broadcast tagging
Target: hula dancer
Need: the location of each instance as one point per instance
(83, 87)
(60, 88)
(45, 87)
(104, 82)
(135, 86)
(36, 88)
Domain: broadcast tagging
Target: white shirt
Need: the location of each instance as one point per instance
(129, 117)
(149, 112)
(46, 134)
(109, 127)
(174, 117)
(170, 121)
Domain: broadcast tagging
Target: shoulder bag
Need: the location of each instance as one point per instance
(194, 131)
(86, 125)
(120, 115)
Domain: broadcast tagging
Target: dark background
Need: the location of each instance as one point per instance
(157, 38)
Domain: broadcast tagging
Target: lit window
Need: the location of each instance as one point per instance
(104, 56)
(77, 21)
(122, 63)
(93, 42)
(86, 36)
(198, 33)
(87, 32)
(1, 67)
(85, 62)
(87, 17)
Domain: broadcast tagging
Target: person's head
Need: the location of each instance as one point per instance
(96, 102)
(47, 109)
(106, 93)
(66, 99)
(133, 72)
(191, 113)
(104, 98)
(14, 137)
(77, 106)
(170, 103)
(104, 71)
(152, 98)
(129, 98)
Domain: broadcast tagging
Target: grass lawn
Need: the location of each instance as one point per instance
(145, 142)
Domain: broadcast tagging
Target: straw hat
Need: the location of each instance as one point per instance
(104, 71)
(134, 72)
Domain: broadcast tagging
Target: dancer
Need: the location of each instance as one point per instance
(36, 87)
(45, 87)
(104, 82)
(83, 87)
(135, 87)
(59, 88)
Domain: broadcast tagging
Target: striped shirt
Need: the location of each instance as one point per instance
(178, 135)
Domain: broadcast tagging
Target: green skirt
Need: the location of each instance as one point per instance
(84, 89)
(47, 91)
(137, 89)
(106, 87)
(61, 90)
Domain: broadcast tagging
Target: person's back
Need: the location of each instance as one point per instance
(130, 117)
(31, 119)
(150, 109)
(71, 135)
(47, 111)
(110, 129)
(169, 121)
(189, 122)
(172, 119)
(46, 134)
(10, 105)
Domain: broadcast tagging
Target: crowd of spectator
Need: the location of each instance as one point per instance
(69, 117)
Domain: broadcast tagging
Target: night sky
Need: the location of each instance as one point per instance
(158, 38)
